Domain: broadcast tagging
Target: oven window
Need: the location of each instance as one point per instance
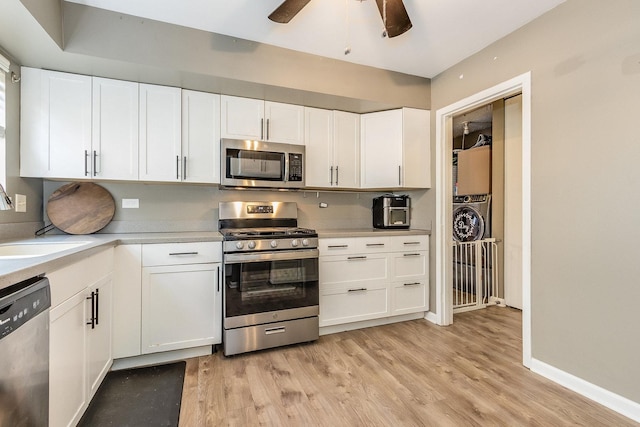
(247, 164)
(257, 287)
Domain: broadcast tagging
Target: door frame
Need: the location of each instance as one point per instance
(444, 194)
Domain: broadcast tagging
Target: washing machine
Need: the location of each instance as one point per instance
(471, 217)
(471, 222)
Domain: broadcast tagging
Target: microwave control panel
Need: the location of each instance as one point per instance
(295, 167)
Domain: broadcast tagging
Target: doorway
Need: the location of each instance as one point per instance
(443, 253)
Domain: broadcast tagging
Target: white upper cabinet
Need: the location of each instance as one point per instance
(55, 124)
(284, 123)
(200, 137)
(160, 133)
(346, 149)
(395, 149)
(332, 148)
(254, 119)
(78, 127)
(115, 130)
(318, 140)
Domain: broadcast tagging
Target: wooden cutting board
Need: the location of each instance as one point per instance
(81, 208)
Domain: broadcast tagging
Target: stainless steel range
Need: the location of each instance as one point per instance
(270, 276)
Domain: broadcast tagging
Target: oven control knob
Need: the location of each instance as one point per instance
(274, 243)
(295, 243)
(305, 242)
(239, 245)
(251, 244)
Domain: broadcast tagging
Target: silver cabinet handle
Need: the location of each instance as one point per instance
(86, 167)
(182, 253)
(374, 244)
(412, 284)
(178, 167)
(357, 290)
(331, 175)
(399, 175)
(411, 243)
(267, 129)
(336, 175)
(337, 246)
(271, 331)
(184, 167)
(95, 164)
(261, 128)
(219, 278)
(410, 254)
(356, 257)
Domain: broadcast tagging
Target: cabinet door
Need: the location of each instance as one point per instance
(67, 355)
(318, 129)
(416, 149)
(115, 130)
(346, 143)
(241, 118)
(179, 307)
(284, 123)
(200, 137)
(55, 124)
(160, 133)
(99, 356)
(381, 149)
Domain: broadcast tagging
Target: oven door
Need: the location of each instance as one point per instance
(270, 286)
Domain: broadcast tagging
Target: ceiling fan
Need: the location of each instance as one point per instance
(394, 15)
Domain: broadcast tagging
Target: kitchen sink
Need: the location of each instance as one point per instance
(35, 249)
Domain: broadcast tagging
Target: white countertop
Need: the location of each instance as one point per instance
(18, 269)
(368, 232)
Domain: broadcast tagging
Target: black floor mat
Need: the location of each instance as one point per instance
(148, 396)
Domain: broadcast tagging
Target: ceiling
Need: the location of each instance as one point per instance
(444, 31)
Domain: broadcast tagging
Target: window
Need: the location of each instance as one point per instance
(4, 70)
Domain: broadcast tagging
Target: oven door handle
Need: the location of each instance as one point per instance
(270, 256)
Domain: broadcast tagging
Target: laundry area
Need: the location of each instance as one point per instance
(486, 149)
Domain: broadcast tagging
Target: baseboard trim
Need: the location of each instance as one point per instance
(431, 317)
(613, 401)
(161, 357)
(333, 329)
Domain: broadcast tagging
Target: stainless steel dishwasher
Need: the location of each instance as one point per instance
(24, 353)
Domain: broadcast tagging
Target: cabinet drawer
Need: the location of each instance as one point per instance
(410, 264)
(409, 297)
(74, 278)
(410, 243)
(343, 306)
(353, 245)
(181, 253)
(348, 269)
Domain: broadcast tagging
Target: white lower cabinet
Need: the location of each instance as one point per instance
(79, 335)
(167, 297)
(365, 278)
(179, 306)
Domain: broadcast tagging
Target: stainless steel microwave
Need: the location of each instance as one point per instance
(247, 163)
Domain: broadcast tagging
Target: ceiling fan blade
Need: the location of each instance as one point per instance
(398, 21)
(287, 10)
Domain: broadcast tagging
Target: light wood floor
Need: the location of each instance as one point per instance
(407, 374)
